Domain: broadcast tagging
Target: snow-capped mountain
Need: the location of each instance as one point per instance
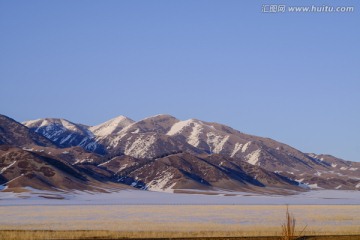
(146, 139)
(164, 153)
(64, 133)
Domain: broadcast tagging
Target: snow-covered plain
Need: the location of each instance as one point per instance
(141, 197)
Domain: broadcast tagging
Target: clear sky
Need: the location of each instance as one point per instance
(293, 77)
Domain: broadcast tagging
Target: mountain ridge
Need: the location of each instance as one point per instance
(163, 153)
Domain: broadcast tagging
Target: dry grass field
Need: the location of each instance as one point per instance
(172, 221)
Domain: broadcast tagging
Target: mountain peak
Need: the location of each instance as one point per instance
(160, 117)
(111, 126)
(160, 123)
(43, 122)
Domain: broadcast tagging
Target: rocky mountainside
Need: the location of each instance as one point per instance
(162, 153)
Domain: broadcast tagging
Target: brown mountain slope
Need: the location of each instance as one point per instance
(187, 171)
(39, 170)
(20, 168)
(14, 133)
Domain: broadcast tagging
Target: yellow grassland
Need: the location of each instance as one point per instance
(170, 221)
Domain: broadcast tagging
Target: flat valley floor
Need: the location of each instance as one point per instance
(183, 220)
(144, 214)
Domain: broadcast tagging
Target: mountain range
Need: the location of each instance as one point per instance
(159, 153)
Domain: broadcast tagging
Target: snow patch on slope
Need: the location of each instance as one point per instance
(194, 138)
(245, 147)
(140, 148)
(216, 142)
(178, 127)
(160, 184)
(112, 126)
(314, 186)
(237, 148)
(253, 157)
(7, 167)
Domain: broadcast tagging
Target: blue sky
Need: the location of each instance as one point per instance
(293, 77)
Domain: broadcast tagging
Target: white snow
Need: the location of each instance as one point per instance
(44, 123)
(141, 146)
(54, 127)
(159, 184)
(194, 138)
(196, 130)
(245, 147)
(83, 160)
(353, 169)
(314, 186)
(343, 168)
(178, 127)
(30, 122)
(65, 139)
(28, 149)
(68, 125)
(301, 184)
(216, 142)
(7, 167)
(333, 165)
(237, 148)
(140, 197)
(3, 186)
(253, 157)
(136, 130)
(338, 187)
(52, 130)
(101, 164)
(83, 141)
(91, 146)
(112, 126)
(115, 140)
(122, 167)
(358, 185)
